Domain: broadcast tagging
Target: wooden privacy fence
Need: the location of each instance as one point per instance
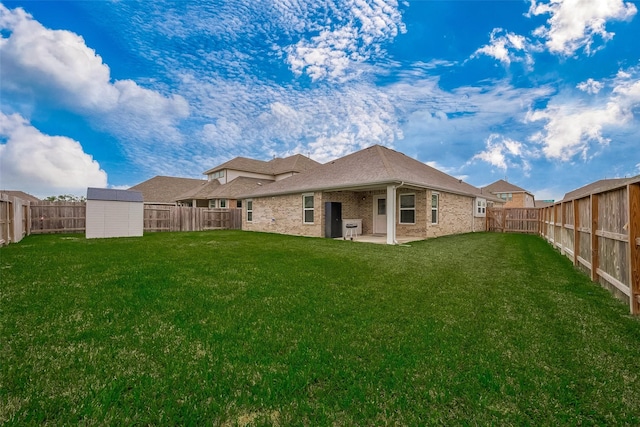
(70, 217)
(599, 232)
(14, 219)
(513, 220)
(58, 217)
(183, 218)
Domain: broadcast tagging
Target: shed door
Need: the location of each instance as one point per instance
(380, 215)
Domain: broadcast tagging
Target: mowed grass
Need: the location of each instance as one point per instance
(235, 328)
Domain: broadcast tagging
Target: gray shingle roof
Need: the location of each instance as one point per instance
(599, 186)
(296, 163)
(502, 186)
(200, 191)
(239, 186)
(20, 195)
(373, 166)
(165, 189)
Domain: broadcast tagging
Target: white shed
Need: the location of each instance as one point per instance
(114, 213)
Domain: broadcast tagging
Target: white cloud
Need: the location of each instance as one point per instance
(355, 34)
(57, 66)
(590, 86)
(572, 128)
(576, 24)
(503, 152)
(44, 165)
(507, 47)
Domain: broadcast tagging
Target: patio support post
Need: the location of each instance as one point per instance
(391, 215)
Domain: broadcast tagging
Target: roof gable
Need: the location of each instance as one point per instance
(502, 186)
(296, 163)
(375, 165)
(20, 195)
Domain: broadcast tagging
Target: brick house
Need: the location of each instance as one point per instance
(387, 192)
(512, 195)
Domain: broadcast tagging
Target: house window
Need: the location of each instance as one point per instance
(223, 203)
(238, 204)
(506, 196)
(249, 210)
(434, 208)
(219, 174)
(481, 207)
(212, 203)
(407, 209)
(307, 208)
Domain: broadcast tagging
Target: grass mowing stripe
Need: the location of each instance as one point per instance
(237, 328)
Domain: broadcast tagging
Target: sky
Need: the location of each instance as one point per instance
(111, 93)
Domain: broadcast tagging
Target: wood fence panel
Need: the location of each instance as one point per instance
(156, 218)
(6, 227)
(58, 217)
(613, 239)
(583, 219)
(633, 192)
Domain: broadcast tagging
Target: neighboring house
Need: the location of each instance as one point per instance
(388, 192)
(163, 190)
(240, 176)
(544, 203)
(512, 195)
(20, 195)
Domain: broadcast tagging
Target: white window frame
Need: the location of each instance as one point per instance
(305, 208)
(480, 207)
(249, 210)
(212, 203)
(401, 209)
(222, 203)
(435, 209)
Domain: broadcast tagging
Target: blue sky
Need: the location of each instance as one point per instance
(111, 93)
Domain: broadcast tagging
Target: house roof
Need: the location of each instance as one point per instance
(599, 186)
(502, 186)
(543, 203)
(372, 166)
(200, 191)
(237, 187)
(165, 189)
(20, 195)
(296, 163)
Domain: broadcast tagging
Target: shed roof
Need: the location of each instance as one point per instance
(372, 166)
(110, 194)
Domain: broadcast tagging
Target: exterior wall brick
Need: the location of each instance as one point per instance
(455, 215)
(283, 214)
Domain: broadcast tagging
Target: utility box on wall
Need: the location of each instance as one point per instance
(114, 213)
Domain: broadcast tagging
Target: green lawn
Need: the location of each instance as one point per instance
(234, 328)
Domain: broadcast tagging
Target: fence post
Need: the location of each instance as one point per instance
(633, 194)
(576, 233)
(595, 258)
